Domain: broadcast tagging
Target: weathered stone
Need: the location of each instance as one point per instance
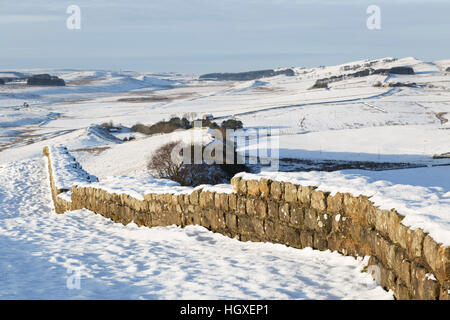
(217, 200)
(235, 183)
(260, 208)
(194, 197)
(241, 206)
(232, 201)
(264, 188)
(291, 237)
(438, 258)
(224, 201)
(324, 223)
(276, 190)
(401, 292)
(423, 287)
(304, 195)
(272, 209)
(414, 240)
(231, 221)
(444, 293)
(253, 188)
(320, 241)
(246, 224)
(290, 192)
(310, 219)
(351, 204)
(206, 199)
(296, 214)
(318, 201)
(250, 207)
(335, 203)
(242, 187)
(306, 238)
(284, 212)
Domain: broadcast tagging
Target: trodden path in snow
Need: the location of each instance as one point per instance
(40, 252)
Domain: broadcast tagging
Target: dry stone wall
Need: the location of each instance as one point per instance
(61, 205)
(404, 260)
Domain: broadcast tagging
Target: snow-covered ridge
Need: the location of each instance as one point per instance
(66, 170)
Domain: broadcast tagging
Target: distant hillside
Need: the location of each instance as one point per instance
(246, 76)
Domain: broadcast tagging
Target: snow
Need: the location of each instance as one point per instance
(66, 169)
(42, 251)
(137, 187)
(423, 207)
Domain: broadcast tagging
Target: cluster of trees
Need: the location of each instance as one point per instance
(175, 123)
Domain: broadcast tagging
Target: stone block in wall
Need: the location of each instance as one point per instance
(242, 187)
(264, 188)
(424, 287)
(444, 293)
(438, 258)
(240, 206)
(271, 230)
(186, 199)
(217, 220)
(272, 210)
(306, 238)
(290, 192)
(235, 183)
(217, 201)
(414, 242)
(304, 195)
(341, 224)
(206, 199)
(253, 188)
(310, 219)
(232, 201)
(363, 246)
(320, 241)
(394, 222)
(261, 208)
(283, 212)
(296, 214)
(276, 190)
(250, 225)
(324, 222)
(357, 208)
(335, 203)
(335, 241)
(401, 264)
(250, 207)
(292, 237)
(319, 221)
(319, 200)
(401, 292)
(194, 197)
(231, 221)
(223, 201)
(350, 205)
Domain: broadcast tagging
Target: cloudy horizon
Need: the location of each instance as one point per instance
(199, 36)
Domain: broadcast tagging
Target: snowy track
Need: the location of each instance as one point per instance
(39, 250)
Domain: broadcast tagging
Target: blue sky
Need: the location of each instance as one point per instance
(198, 36)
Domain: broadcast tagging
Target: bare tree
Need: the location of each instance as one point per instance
(164, 165)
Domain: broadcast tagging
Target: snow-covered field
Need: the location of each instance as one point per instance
(41, 252)
(356, 119)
